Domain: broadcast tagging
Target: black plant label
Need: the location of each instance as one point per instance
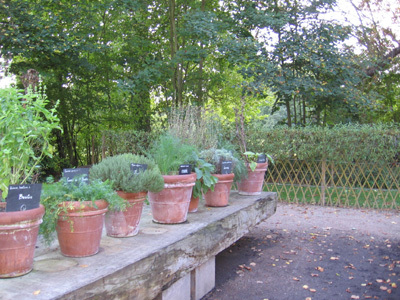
(70, 174)
(262, 158)
(23, 197)
(137, 168)
(185, 169)
(226, 167)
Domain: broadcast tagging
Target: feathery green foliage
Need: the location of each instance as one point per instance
(169, 152)
(54, 194)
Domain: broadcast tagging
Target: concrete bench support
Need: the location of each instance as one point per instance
(203, 279)
(162, 262)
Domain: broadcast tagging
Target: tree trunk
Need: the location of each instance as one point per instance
(173, 41)
(289, 117)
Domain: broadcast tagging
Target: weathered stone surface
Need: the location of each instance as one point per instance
(141, 267)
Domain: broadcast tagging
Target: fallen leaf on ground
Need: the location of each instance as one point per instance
(314, 275)
(321, 269)
(379, 280)
(383, 288)
(334, 258)
(84, 266)
(394, 285)
(305, 287)
(296, 279)
(36, 292)
(354, 297)
(313, 290)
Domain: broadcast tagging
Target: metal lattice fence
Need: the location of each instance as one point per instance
(358, 184)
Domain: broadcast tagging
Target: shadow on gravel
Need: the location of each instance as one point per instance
(310, 263)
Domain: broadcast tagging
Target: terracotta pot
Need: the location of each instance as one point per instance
(18, 235)
(253, 184)
(126, 223)
(194, 204)
(79, 230)
(170, 206)
(220, 196)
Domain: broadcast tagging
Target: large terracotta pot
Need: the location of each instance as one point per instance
(18, 235)
(253, 184)
(79, 229)
(126, 223)
(194, 204)
(220, 196)
(170, 206)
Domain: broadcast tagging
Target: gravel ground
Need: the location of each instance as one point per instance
(311, 252)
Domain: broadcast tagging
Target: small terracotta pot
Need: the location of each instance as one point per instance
(18, 236)
(253, 184)
(79, 230)
(194, 204)
(220, 196)
(170, 206)
(126, 223)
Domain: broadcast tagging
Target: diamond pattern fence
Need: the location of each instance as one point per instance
(358, 184)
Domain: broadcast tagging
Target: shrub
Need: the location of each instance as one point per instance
(117, 169)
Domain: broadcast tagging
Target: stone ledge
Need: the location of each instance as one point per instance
(142, 266)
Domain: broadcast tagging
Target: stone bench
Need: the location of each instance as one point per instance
(163, 262)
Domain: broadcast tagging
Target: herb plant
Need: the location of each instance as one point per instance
(54, 194)
(25, 128)
(117, 169)
(251, 159)
(169, 152)
(205, 181)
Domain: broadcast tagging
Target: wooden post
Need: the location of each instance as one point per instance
(103, 146)
(323, 181)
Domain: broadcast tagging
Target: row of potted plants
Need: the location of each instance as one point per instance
(117, 189)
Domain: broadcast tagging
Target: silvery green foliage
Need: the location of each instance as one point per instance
(117, 169)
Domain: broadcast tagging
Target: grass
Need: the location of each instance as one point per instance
(337, 196)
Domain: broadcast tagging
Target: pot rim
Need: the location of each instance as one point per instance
(180, 178)
(7, 218)
(80, 207)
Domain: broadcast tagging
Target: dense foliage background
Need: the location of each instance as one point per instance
(118, 66)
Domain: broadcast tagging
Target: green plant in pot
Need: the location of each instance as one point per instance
(75, 210)
(205, 181)
(225, 163)
(25, 134)
(257, 164)
(171, 205)
(132, 176)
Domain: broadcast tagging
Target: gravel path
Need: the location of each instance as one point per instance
(312, 252)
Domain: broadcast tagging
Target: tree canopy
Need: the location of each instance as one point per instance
(115, 64)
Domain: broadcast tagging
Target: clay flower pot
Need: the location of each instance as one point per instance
(194, 204)
(170, 206)
(18, 235)
(79, 229)
(220, 196)
(126, 223)
(253, 184)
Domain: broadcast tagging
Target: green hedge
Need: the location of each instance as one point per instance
(341, 143)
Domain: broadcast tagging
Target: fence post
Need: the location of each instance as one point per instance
(323, 181)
